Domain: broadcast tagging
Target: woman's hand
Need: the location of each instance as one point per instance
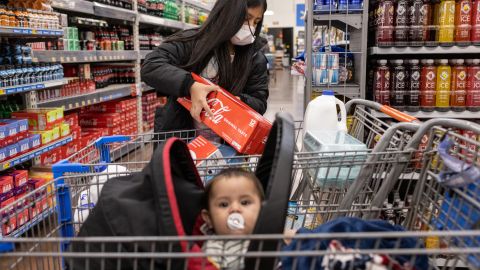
(198, 95)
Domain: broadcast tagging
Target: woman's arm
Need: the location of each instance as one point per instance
(255, 93)
(160, 69)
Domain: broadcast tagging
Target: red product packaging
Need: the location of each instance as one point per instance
(69, 149)
(100, 120)
(51, 157)
(76, 133)
(239, 125)
(200, 149)
(6, 183)
(20, 177)
(72, 119)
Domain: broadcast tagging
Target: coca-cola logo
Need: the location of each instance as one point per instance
(217, 112)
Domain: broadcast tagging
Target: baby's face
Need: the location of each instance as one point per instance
(233, 195)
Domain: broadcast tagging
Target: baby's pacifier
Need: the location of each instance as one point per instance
(235, 221)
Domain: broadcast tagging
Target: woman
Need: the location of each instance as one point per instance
(225, 50)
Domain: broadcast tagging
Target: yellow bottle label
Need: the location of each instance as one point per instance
(443, 86)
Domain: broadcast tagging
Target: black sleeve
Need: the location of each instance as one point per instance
(160, 69)
(255, 93)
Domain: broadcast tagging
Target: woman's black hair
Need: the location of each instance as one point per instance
(213, 37)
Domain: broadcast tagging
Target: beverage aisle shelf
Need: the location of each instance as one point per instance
(111, 92)
(190, 26)
(424, 50)
(34, 153)
(350, 90)
(33, 222)
(198, 4)
(84, 56)
(339, 20)
(107, 11)
(435, 114)
(31, 87)
(143, 53)
(30, 32)
(80, 6)
(157, 21)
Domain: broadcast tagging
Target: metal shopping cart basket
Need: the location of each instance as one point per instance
(39, 252)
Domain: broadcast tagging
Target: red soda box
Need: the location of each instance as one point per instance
(239, 125)
(20, 177)
(200, 149)
(72, 119)
(100, 120)
(6, 183)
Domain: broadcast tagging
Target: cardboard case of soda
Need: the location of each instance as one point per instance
(239, 125)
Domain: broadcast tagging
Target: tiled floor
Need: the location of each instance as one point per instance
(286, 94)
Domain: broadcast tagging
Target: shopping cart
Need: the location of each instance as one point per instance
(457, 248)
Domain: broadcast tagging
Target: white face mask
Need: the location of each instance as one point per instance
(244, 36)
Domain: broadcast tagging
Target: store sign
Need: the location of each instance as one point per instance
(300, 15)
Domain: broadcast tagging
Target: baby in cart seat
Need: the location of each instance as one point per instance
(232, 203)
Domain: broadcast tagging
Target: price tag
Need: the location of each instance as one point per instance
(74, 59)
(68, 58)
(76, 104)
(70, 105)
(6, 165)
(34, 31)
(83, 103)
(94, 100)
(63, 107)
(2, 91)
(54, 59)
(89, 102)
(62, 59)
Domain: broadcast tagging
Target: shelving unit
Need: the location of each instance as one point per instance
(353, 24)
(424, 50)
(111, 92)
(34, 153)
(31, 87)
(68, 57)
(435, 114)
(22, 32)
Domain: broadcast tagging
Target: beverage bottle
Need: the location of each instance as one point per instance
(385, 20)
(399, 85)
(26, 74)
(428, 84)
(463, 21)
(444, 74)
(381, 83)
(446, 23)
(416, 20)
(401, 23)
(475, 34)
(412, 98)
(473, 85)
(458, 86)
(355, 6)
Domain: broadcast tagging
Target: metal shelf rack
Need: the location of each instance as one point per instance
(435, 114)
(424, 50)
(31, 87)
(68, 57)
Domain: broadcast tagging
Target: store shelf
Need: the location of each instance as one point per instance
(100, 95)
(351, 90)
(31, 87)
(80, 6)
(83, 56)
(143, 53)
(153, 20)
(107, 11)
(435, 114)
(450, 264)
(423, 50)
(339, 20)
(146, 87)
(34, 153)
(198, 4)
(32, 223)
(30, 32)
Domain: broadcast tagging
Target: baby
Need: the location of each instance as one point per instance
(232, 204)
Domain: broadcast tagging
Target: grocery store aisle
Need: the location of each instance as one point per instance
(286, 94)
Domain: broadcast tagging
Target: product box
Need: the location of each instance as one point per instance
(24, 145)
(13, 150)
(20, 177)
(76, 132)
(69, 149)
(105, 120)
(45, 136)
(3, 154)
(8, 128)
(200, 149)
(35, 141)
(64, 130)
(239, 125)
(72, 119)
(40, 119)
(51, 157)
(107, 107)
(55, 133)
(6, 183)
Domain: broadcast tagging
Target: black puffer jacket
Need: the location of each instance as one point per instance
(161, 71)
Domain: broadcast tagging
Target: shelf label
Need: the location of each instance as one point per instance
(70, 105)
(2, 91)
(17, 31)
(6, 165)
(89, 102)
(62, 59)
(83, 102)
(76, 104)
(68, 58)
(54, 59)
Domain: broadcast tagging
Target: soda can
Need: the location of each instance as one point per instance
(333, 61)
